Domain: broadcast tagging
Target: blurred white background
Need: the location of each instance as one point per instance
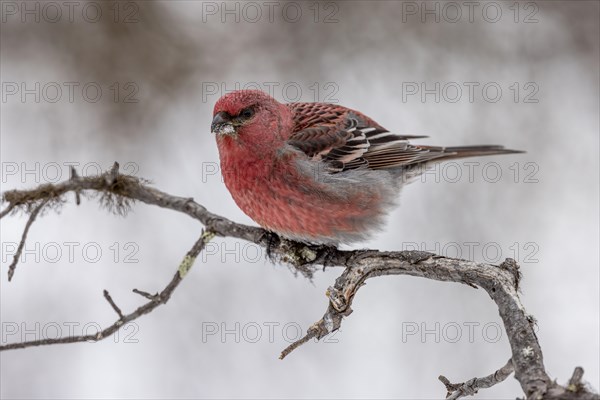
(93, 83)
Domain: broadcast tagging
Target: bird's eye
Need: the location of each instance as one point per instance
(247, 113)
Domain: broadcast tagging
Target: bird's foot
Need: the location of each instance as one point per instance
(273, 241)
(301, 256)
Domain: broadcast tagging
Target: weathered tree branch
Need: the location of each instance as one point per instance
(155, 301)
(119, 191)
(470, 387)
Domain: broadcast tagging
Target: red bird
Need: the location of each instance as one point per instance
(317, 172)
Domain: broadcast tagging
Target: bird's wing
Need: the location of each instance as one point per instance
(346, 139)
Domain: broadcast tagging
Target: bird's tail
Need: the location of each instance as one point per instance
(449, 153)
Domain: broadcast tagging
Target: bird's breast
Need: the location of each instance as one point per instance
(280, 194)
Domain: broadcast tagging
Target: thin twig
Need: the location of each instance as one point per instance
(74, 177)
(162, 297)
(112, 304)
(32, 217)
(7, 210)
(146, 294)
(575, 385)
(311, 333)
(113, 174)
(576, 378)
(469, 388)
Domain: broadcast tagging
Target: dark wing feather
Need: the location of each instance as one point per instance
(317, 128)
(346, 139)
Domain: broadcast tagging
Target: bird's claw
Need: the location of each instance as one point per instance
(273, 242)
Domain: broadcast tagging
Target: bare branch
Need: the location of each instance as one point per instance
(112, 304)
(317, 330)
(117, 190)
(7, 210)
(145, 294)
(575, 380)
(160, 298)
(32, 217)
(74, 175)
(469, 388)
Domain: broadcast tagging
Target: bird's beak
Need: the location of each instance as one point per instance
(222, 124)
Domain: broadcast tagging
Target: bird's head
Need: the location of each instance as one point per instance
(248, 117)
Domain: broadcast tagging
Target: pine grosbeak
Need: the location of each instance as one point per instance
(317, 172)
